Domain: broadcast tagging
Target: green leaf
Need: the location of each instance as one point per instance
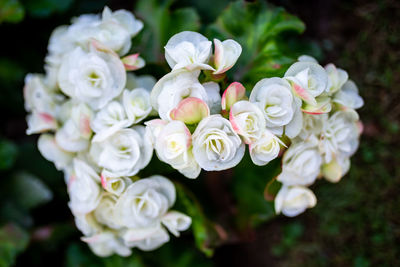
(160, 24)
(8, 154)
(259, 28)
(45, 8)
(28, 191)
(203, 231)
(13, 240)
(11, 11)
(249, 184)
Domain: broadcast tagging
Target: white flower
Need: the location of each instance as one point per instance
(74, 135)
(301, 163)
(336, 168)
(336, 78)
(280, 107)
(83, 188)
(115, 30)
(137, 104)
(174, 87)
(216, 146)
(52, 152)
(94, 77)
(39, 97)
(247, 120)
(124, 153)
(174, 146)
(153, 129)
(293, 200)
(109, 120)
(104, 212)
(189, 50)
(105, 244)
(309, 80)
(147, 238)
(340, 135)
(313, 124)
(39, 122)
(213, 97)
(144, 202)
(114, 184)
(348, 96)
(226, 54)
(176, 222)
(265, 149)
(87, 224)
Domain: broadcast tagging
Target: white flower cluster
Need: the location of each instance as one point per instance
(88, 109)
(311, 107)
(329, 133)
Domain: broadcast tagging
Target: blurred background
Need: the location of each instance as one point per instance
(355, 223)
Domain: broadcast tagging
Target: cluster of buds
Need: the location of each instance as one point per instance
(88, 109)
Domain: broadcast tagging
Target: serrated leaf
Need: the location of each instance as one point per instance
(259, 28)
(11, 11)
(8, 154)
(160, 24)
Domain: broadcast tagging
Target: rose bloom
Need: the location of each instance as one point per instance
(293, 200)
(216, 146)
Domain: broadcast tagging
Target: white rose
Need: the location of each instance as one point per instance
(340, 134)
(280, 107)
(52, 152)
(176, 222)
(336, 78)
(313, 124)
(137, 104)
(74, 135)
(189, 50)
(293, 200)
(144, 202)
(109, 120)
(216, 146)
(348, 96)
(174, 87)
(265, 149)
(147, 238)
(124, 153)
(174, 146)
(153, 129)
(114, 184)
(301, 163)
(309, 80)
(247, 120)
(116, 30)
(94, 77)
(226, 54)
(105, 244)
(104, 212)
(83, 188)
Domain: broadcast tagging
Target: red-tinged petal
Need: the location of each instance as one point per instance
(234, 93)
(133, 62)
(190, 110)
(303, 94)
